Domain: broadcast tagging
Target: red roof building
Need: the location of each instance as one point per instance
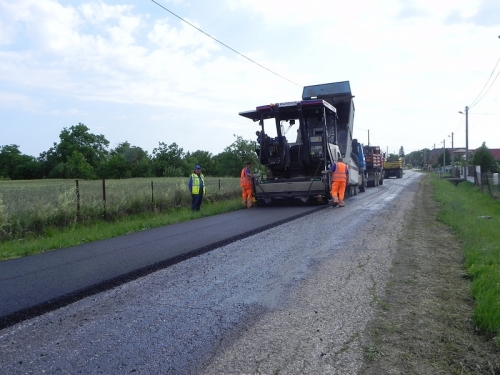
(494, 151)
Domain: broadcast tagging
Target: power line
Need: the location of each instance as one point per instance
(487, 90)
(225, 45)
(459, 125)
(477, 100)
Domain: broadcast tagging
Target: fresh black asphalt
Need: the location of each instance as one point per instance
(36, 284)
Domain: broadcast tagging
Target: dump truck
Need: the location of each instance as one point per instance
(358, 149)
(374, 169)
(393, 168)
(323, 127)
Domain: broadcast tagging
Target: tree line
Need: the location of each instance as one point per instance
(482, 156)
(83, 155)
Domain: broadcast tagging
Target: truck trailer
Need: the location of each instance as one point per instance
(323, 127)
(374, 169)
(393, 168)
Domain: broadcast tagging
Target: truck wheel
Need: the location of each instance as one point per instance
(362, 187)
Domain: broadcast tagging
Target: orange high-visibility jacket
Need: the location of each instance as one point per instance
(340, 173)
(245, 181)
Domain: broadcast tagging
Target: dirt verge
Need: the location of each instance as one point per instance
(423, 325)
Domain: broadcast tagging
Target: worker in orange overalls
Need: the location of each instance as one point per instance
(246, 185)
(340, 175)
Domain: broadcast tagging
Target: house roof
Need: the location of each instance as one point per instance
(495, 152)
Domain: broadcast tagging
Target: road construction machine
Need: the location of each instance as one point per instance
(295, 164)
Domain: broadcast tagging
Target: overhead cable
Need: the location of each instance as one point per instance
(225, 45)
(479, 97)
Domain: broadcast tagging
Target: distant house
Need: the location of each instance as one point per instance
(494, 151)
(457, 153)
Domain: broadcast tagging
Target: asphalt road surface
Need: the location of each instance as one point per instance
(36, 284)
(293, 298)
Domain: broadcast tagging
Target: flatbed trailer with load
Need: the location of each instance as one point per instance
(374, 165)
(323, 121)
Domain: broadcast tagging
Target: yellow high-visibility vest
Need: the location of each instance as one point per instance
(195, 187)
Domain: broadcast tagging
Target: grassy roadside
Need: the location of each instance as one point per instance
(431, 318)
(474, 218)
(98, 230)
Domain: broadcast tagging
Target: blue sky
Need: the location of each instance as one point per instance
(134, 72)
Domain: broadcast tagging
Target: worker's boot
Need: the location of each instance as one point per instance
(335, 202)
(341, 203)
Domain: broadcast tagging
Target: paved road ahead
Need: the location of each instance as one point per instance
(36, 284)
(294, 299)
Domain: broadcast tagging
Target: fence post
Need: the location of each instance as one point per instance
(488, 182)
(77, 201)
(104, 197)
(152, 195)
(219, 184)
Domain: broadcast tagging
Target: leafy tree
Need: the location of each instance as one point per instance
(418, 158)
(447, 156)
(393, 157)
(484, 158)
(79, 167)
(9, 155)
(168, 160)
(495, 168)
(16, 166)
(77, 138)
(233, 158)
(228, 164)
(203, 158)
(401, 152)
(75, 167)
(115, 167)
(126, 161)
(27, 168)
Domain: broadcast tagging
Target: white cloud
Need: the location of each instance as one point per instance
(19, 101)
(412, 64)
(70, 112)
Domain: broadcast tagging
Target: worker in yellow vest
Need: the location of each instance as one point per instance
(246, 185)
(340, 176)
(197, 188)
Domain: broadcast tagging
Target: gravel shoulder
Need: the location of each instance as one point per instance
(320, 328)
(423, 324)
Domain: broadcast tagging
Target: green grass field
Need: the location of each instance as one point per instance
(31, 209)
(474, 217)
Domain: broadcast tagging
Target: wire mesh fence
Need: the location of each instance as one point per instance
(30, 206)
